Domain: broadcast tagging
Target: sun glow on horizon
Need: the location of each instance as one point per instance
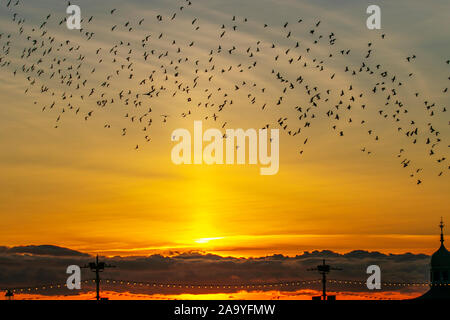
(207, 240)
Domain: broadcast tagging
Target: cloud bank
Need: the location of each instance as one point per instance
(27, 266)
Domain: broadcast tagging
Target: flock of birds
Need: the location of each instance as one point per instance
(157, 66)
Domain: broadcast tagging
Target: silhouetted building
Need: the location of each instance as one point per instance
(439, 272)
(9, 295)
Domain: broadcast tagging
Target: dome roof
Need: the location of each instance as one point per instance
(441, 258)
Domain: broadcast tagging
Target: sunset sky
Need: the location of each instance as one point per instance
(83, 186)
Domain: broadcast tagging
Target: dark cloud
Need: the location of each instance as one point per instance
(35, 265)
(45, 250)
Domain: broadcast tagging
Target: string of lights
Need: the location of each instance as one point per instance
(267, 285)
(214, 286)
(40, 287)
(388, 284)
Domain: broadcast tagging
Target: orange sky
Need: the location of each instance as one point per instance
(85, 187)
(241, 295)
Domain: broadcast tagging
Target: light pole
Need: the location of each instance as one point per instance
(97, 267)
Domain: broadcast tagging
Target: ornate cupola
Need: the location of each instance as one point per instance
(440, 263)
(439, 272)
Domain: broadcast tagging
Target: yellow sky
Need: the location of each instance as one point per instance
(117, 200)
(85, 187)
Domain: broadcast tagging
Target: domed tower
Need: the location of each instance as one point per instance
(439, 272)
(440, 263)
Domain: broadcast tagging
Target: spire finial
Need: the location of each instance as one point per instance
(441, 225)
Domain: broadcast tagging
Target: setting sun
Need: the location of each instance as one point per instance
(206, 240)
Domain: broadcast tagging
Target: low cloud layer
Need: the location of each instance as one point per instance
(26, 266)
